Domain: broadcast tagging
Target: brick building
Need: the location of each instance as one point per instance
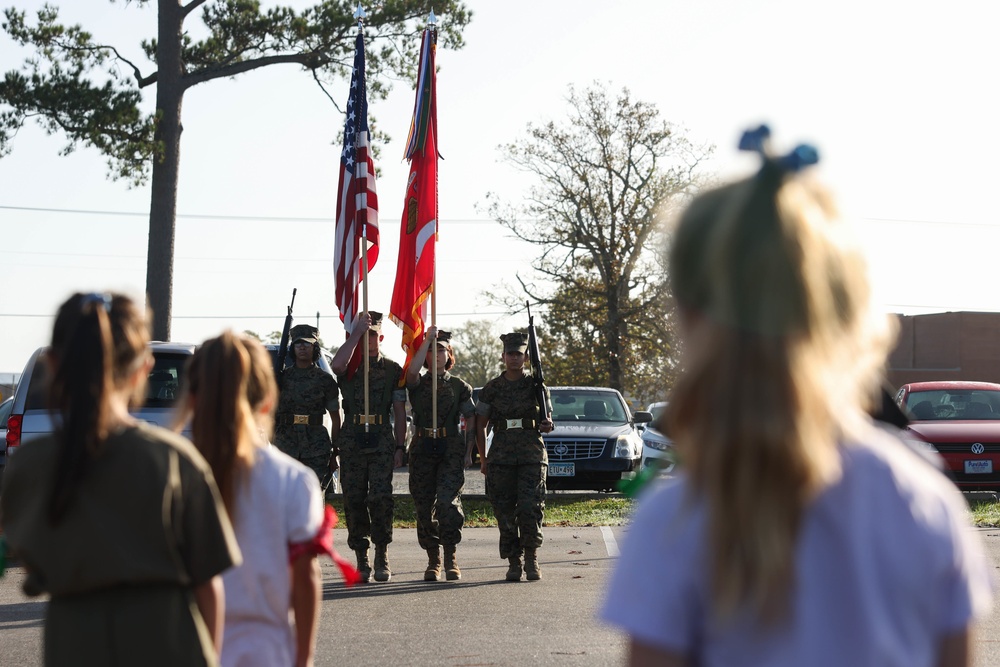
(946, 346)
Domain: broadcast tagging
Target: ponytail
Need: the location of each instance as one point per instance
(783, 354)
(95, 343)
(222, 422)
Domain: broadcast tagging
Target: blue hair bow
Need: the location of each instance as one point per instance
(756, 140)
(803, 156)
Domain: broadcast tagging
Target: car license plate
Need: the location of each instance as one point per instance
(978, 466)
(562, 469)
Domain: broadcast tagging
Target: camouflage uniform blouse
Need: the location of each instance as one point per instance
(307, 391)
(449, 390)
(502, 399)
(383, 390)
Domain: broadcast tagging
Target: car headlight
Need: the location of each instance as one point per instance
(658, 444)
(624, 449)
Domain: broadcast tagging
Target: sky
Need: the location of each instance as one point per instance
(899, 98)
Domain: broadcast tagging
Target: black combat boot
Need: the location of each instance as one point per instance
(531, 570)
(364, 567)
(382, 571)
(514, 571)
(433, 571)
(452, 573)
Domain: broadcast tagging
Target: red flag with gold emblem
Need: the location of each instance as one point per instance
(418, 231)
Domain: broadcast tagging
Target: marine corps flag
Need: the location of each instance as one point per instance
(418, 231)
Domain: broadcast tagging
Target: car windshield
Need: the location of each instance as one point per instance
(591, 406)
(162, 388)
(165, 380)
(657, 410)
(954, 404)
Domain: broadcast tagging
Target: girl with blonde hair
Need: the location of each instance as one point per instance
(797, 532)
(274, 503)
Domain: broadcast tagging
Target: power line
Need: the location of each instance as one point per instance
(201, 216)
(259, 317)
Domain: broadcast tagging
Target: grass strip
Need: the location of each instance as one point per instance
(985, 513)
(560, 510)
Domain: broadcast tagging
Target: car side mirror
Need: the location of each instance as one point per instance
(642, 417)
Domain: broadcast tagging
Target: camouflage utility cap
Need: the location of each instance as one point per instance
(305, 332)
(514, 342)
(376, 321)
(444, 339)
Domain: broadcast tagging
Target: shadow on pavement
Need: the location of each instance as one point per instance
(338, 591)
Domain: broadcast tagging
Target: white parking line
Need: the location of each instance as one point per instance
(610, 542)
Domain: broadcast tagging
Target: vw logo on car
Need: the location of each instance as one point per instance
(977, 448)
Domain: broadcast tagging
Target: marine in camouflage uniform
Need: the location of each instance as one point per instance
(438, 458)
(517, 462)
(307, 392)
(367, 458)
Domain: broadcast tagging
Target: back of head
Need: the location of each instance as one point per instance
(98, 342)
(216, 399)
(262, 389)
(782, 352)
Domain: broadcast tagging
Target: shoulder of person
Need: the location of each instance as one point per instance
(154, 437)
(278, 463)
(32, 453)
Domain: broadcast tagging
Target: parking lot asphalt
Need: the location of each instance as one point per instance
(479, 620)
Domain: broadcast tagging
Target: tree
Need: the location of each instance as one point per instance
(606, 179)
(73, 84)
(477, 352)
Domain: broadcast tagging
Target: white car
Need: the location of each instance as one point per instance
(657, 449)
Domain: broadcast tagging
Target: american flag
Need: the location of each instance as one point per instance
(357, 203)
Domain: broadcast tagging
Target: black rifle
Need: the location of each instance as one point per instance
(279, 360)
(536, 365)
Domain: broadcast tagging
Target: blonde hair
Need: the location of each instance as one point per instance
(262, 389)
(785, 353)
(218, 382)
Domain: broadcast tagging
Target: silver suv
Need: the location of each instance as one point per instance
(30, 417)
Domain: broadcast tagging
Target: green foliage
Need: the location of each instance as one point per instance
(606, 181)
(477, 352)
(560, 510)
(75, 85)
(53, 88)
(985, 513)
(92, 94)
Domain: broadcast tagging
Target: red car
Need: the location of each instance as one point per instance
(961, 420)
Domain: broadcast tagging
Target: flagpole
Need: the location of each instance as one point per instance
(359, 14)
(432, 26)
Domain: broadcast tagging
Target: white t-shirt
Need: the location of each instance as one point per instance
(278, 503)
(886, 565)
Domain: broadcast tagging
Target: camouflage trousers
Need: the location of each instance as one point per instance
(308, 444)
(366, 482)
(517, 493)
(436, 486)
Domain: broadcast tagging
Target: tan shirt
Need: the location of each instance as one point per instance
(146, 512)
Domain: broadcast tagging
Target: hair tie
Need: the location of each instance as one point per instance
(94, 297)
(803, 156)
